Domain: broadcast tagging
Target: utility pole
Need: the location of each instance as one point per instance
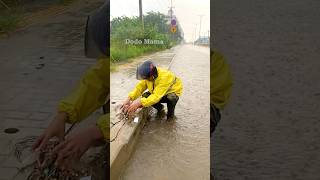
(195, 34)
(200, 25)
(171, 16)
(141, 14)
(171, 11)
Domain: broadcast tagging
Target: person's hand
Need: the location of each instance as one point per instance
(126, 103)
(134, 106)
(76, 145)
(55, 129)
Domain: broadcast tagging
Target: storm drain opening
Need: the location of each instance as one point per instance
(11, 130)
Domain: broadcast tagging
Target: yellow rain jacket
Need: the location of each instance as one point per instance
(165, 83)
(220, 80)
(90, 94)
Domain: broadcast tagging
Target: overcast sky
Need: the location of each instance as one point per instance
(187, 12)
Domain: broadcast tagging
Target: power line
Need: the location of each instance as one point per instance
(171, 9)
(195, 33)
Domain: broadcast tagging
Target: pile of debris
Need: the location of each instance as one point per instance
(48, 171)
(43, 167)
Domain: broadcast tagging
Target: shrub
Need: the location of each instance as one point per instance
(155, 28)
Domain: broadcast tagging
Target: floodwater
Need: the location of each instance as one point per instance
(177, 149)
(270, 127)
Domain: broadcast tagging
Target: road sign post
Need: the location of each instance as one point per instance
(173, 22)
(173, 29)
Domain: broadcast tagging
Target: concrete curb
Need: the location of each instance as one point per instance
(123, 145)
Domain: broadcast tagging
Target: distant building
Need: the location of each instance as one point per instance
(202, 40)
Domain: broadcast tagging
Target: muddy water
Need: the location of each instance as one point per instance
(178, 149)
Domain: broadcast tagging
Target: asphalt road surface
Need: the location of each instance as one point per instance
(270, 129)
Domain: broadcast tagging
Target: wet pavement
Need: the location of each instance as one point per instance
(270, 128)
(177, 149)
(39, 65)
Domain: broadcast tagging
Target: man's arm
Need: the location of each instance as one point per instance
(89, 95)
(138, 90)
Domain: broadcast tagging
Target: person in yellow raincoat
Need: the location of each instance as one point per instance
(220, 87)
(220, 90)
(91, 94)
(163, 87)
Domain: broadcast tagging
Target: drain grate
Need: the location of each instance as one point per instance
(11, 130)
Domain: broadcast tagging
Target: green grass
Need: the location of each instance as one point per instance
(155, 28)
(9, 21)
(120, 54)
(113, 67)
(65, 2)
(124, 53)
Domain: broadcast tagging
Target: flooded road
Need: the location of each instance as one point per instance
(178, 149)
(270, 127)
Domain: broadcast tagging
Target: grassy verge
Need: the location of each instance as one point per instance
(119, 53)
(113, 67)
(125, 54)
(66, 2)
(9, 20)
(156, 28)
